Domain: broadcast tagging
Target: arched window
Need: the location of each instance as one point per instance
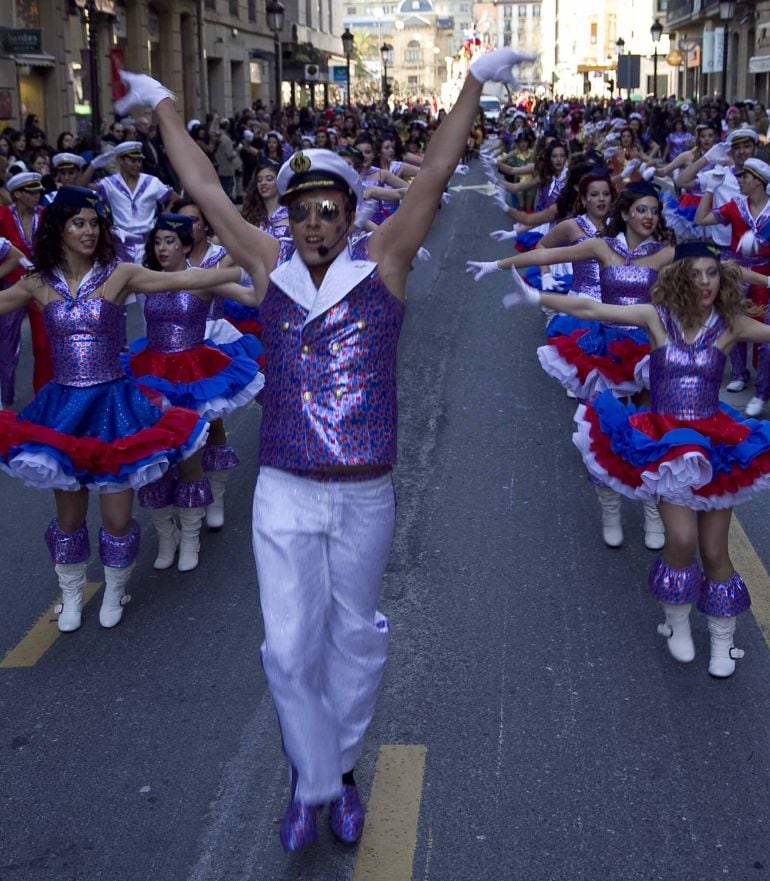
(413, 52)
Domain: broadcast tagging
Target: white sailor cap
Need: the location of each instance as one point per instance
(758, 168)
(26, 180)
(274, 134)
(129, 148)
(742, 134)
(317, 168)
(635, 116)
(68, 160)
(192, 123)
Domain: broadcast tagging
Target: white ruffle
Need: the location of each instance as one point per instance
(216, 408)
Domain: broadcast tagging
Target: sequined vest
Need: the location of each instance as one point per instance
(176, 321)
(685, 377)
(86, 337)
(330, 385)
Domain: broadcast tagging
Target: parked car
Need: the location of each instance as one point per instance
(491, 107)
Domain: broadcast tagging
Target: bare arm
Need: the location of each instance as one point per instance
(687, 176)
(241, 294)
(751, 331)
(643, 315)
(681, 161)
(547, 215)
(407, 170)
(590, 249)
(561, 235)
(248, 245)
(130, 277)
(385, 194)
(756, 278)
(519, 187)
(704, 216)
(413, 159)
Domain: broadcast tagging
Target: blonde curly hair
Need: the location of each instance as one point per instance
(676, 289)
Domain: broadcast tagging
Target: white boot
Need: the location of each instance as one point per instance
(654, 533)
(190, 520)
(723, 653)
(168, 536)
(115, 596)
(677, 632)
(72, 582)
(215, 512)
(612, 528)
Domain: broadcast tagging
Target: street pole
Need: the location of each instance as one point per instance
(656, 31)
(93, 73)
(726, 12)
(347, 47)
(278, 73)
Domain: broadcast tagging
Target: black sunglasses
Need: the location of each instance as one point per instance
(326, 209)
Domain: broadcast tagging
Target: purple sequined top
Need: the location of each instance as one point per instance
(176, 321)
(685, 377)
(585, 273)
(330, 385)
(86, 337)
(678, 142)
(548, 193)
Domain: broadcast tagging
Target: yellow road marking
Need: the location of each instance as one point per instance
(42, 635)
(755, 575)
(386, 851)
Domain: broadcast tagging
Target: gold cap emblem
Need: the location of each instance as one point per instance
(299, 163)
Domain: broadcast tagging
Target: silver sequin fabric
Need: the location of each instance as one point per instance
(176, 321)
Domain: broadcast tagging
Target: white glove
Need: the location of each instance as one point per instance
(462, 169)
(487, 158)
(365, 213)
(446, 198)
(522, 294)
(479, 269)
(548, 282)
(618, 124)
(609, 152)
(143, 91)
(506, 235)
(711, 180)
(423, 254)
(648, 172)
(496, 67)
(612, 137)
(500, 200)
(102, 160)
(491, 175)
(631, 166)
(719, 154)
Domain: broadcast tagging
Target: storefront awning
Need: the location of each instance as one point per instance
(38, 60)
(759, 64)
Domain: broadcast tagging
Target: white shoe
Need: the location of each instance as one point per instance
(571, 395)
(677, 632)
(612, 528)
(72, 582)
(115, 596)
(735, 385)
(654, 532)
(168, 536)
(215, 512)
(190, 520)
(755, 407)
(723, 652)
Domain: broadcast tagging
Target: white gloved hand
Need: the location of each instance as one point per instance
(26, 263)
(491, 174)
(500, 200)
(711, 180)
(631, 166)
(648, 172)
(478, 269)
(497, 66)
(102, 160)
(719, 154)
(548, 282)
(748, 244)
(365, 213)
(143, 91)
(423, 254)
(462, 169)
(618, 124)
(503, 235)
(609, 152)
(612, 137)
(522, 294)
(446, 198)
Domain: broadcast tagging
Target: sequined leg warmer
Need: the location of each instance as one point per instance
(675, 586)
(160, 493)
(724, 599)
(67, 547)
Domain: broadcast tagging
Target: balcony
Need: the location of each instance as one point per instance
(679, 10)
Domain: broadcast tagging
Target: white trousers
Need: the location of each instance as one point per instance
(321, 552)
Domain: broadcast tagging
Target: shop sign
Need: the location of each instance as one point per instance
(21, 41)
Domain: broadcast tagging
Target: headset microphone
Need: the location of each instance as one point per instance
(323, 250)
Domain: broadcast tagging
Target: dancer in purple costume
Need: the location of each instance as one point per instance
(324, 506)
(696, 456)
(91, 427)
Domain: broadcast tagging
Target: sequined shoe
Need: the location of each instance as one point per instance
(346, 815)
(298, 827)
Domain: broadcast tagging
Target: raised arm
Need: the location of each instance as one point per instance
(395, 243)
(687, 175)
(249, 246)
(704, 216)
(561, 235)
(130, 277)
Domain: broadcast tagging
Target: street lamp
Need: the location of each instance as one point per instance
(275, 12)
(656, 32)
(386, 54)
(620, 45)
(347, 47)
(726, 12)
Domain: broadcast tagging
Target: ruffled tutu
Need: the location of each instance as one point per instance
(213, 379)
(679, 213)
(596, 357)
(107, 437)
(533, 277)
(244, 318)
(703, 464)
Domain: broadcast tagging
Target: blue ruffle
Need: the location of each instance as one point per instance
(564, 325)
(533, 277)
(237, 312)
(599, 337)
(526, 241)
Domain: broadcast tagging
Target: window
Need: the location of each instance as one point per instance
(210, 4)
(413, 52)
(351, 10)
(523, 11)
(27, 13)
(594, 32)
(536, 10)
(412, 83)
(252, 9)
(233, 8)
(507, 11)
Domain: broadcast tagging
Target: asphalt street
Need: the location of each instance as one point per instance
(560, 741)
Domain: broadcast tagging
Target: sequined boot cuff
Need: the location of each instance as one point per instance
(119, 552)
(724, 599)
(67, 547)
(675, 586)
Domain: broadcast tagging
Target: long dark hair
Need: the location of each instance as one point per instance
(568, 204)
(150, 258)
(254, 209)
(543, 164)
(616, 224)
(48, 247)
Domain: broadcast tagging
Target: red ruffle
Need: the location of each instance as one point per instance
(173, 430)
(251, 326)
(191, 365)
(628, 353)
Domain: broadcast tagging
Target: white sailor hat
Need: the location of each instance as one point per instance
(758, 169)
(635, 116)
(317, 168)
(129, 148)
(26, 180)
(192, 123)
(274, 134)
(68, 160)
(742, 134)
